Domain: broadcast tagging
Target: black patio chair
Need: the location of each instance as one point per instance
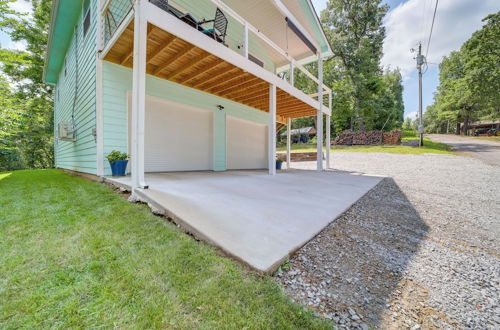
(163, 4)
(219, 28)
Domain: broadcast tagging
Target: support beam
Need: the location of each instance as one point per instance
(292, 74)
(169, 61)
(319, 116)
(272, 130)
(188, 66)
(217, 63)
(138, 96)
(288, 142)
(328, 143)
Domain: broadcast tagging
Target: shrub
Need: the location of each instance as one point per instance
(116, 155)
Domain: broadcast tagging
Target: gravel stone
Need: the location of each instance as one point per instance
(420, 250)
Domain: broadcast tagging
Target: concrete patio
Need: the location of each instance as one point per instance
(256, 218)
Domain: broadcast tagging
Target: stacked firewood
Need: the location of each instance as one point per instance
(359, 138)
(393, 137)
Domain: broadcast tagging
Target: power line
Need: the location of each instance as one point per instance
(432, 26)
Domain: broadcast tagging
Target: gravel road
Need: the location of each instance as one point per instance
(487, 151)
(421, 250)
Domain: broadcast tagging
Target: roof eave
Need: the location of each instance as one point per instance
(53, 15)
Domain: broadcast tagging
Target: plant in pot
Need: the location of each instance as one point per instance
(118, 162)
(278, 163)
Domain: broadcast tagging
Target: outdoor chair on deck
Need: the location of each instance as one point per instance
(219, 28)
(163, 4)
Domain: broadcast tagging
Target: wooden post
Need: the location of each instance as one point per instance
(288, 142)
(272, 130)
(319, 116)
(138, 96)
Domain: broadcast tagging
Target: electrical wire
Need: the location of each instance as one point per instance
(432, 26)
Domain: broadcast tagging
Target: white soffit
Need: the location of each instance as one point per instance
(264, 16)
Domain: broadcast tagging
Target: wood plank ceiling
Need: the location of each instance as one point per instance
(174, 59)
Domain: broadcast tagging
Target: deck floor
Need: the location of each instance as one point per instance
(254, 217)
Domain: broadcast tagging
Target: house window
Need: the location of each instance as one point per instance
(86, 20)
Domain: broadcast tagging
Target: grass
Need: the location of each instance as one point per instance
(429, 147)
(74, 254)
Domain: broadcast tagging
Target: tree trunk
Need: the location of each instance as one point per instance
(466, 125)
(362, 126)
(457, 131)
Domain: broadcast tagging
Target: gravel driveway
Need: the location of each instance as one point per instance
(421, 250)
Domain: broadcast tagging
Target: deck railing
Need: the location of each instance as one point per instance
(114, 13)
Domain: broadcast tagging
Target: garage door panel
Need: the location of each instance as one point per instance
(246, 144)
(177, 137)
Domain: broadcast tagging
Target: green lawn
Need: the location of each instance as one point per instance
(75, 254)
(429, 147)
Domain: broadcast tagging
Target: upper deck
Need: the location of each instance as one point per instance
(238, 65)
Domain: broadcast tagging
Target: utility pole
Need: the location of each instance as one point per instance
(420, 62)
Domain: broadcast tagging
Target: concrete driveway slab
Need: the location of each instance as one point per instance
(256, 218)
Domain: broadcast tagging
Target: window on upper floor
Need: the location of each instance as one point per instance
(86, 20)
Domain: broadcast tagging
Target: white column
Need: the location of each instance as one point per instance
(272, 130)
(319, 116)
(138, 96)
(99, 126)
(245, 40)
(292, 73)
(327, 140)
(288, 142)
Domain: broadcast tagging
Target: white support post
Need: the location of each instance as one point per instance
(288, 142)
(138, 96)
(272, 130)
(245, 40)
(328, 140)
(99, 126)
(292, 74)
(319, 116)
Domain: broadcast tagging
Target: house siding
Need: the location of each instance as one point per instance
(118, 82)
(79, 155)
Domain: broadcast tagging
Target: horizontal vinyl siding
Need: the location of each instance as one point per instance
(81, 154)
(118, 81)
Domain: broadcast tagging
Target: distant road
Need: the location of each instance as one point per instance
(487, 151)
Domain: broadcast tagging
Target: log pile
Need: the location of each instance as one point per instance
(393, 137)
(368, 138)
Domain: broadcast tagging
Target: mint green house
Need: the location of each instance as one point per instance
(181, 85)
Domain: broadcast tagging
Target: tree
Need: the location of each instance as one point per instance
(469, 80)
(355, 30)
(23, 70)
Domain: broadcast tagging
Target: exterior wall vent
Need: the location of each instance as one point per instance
(66, 131)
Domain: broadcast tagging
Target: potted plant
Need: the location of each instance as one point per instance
(278, 163)
(118, 162)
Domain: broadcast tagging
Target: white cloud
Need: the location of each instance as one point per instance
(410, 22)
(413, 115)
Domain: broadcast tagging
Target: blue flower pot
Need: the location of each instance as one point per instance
(278, 165)
(118, 167)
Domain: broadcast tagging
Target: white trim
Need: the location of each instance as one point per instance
(316, 18)
(319, 120)
(272, 130)
(99, 99)
(288, 142)
(245, 40)
(169, 23)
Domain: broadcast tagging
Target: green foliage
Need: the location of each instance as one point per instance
(116, 155)
(364, 97)
(469, 81)
(74, 254)
(26, 99)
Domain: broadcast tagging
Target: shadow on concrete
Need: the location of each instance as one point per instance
(357, 263)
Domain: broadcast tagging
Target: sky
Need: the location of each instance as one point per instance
(407, 23)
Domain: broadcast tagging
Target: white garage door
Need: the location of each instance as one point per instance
(246, 144)
(178, 137)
